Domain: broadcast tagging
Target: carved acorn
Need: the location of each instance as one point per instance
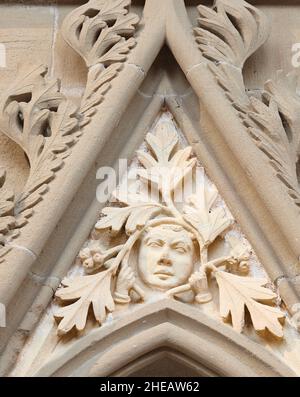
(92, 259)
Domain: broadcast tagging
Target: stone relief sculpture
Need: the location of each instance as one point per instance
(227, 35)
(152, 246)
(101, 32)
(9, 222)
(173, 254)
(43, 121)
(274, 126)
(166, 256)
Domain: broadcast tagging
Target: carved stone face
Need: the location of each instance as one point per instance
(166, 256)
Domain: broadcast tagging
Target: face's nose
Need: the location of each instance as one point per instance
(165, 260)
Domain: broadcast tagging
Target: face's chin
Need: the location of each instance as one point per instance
(162, 281)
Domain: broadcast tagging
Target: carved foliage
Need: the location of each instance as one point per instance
(163, 169)
(231, 31)
(10, 222)
(111, 278)
(101, 32)
(98, 83)
(7, 219)
(236, 293)
(228, 34)
(38, 117)
(276, 129)
(89, 290)
(210, 222)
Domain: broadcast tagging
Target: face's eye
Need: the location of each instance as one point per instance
(180, 249)
(155, 243)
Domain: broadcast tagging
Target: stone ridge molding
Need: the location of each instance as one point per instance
(165, 324)
(166, 253)
(262, 185)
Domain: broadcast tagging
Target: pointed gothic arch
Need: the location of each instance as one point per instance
(214, 347)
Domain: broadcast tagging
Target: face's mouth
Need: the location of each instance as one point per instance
(164, 273)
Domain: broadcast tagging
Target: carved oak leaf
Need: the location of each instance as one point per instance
(132, 192)
(134, 217)
(236, 293)
(210, 222)
(231, 31)
(43, 122)
(89, 290)
(161, 168)
(162, 144)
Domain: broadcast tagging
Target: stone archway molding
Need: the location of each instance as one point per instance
(153, 362)
(165, 324)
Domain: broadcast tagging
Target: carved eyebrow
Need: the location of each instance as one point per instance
(181, 243)
(154, 240)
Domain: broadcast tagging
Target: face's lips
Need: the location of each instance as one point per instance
(164, 273)
(163, 276)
